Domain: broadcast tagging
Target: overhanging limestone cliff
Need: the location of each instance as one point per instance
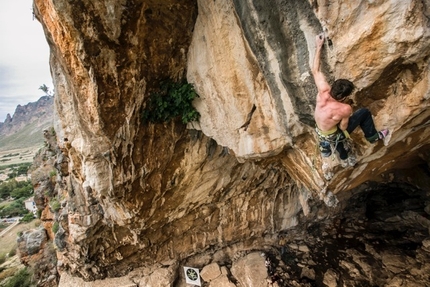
(138, 194)
(266, 54)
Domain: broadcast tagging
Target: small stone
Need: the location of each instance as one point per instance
(293, 246)
(308, 273)
(393, 219)
(304, 248)
(330, 278)
(426, 243)
(311, 263)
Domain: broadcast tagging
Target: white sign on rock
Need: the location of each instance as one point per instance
(192, 276)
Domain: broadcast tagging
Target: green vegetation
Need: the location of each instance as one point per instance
(13, 251)
(11, 155)
(15, 189)
(55, 227)
(173, 100)
(28, 217)
(16, 208)
(44, 88)
(19, 169)
(6, 163)
(23, 278)
(54, 204)
(19, 190)
(16, 169)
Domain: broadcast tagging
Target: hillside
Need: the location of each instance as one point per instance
(25, 128)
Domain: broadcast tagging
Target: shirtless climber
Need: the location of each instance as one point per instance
(335, 119)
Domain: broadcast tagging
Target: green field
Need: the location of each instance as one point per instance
(17, 156)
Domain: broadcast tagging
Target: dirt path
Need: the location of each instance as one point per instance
(7, 229)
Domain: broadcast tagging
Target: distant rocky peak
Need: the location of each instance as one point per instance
(40, 111)
(8, 119)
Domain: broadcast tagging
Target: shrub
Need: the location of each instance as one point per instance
(20, 279)
(55, 227)
(13, 251)
(173, 100)
(54, 204)
(28, 217)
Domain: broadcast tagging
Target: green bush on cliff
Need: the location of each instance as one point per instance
(54, 204)
(55, 227)
(173, 100)
(20, 279)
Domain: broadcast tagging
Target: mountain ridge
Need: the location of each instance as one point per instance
(25, 127)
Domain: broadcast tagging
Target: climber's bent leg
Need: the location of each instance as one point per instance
(363, 118)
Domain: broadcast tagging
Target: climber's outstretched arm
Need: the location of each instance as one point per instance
(320, 81)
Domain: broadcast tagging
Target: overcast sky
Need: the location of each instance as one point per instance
(24, 56)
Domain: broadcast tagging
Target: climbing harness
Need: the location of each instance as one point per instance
(329, 140)
(327, 144)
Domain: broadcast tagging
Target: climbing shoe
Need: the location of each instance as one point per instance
(344, 163)
(383, 134)
(350, 161)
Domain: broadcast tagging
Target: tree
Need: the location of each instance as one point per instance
(23, 168)
(7, 187)
(44, 88)
(16, 208)
(22, 192)
(15, 189)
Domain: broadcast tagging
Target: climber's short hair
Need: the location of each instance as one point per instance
(341, 88)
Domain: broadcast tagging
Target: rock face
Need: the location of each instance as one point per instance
(37, 252)
(165, 196)
(36, 247)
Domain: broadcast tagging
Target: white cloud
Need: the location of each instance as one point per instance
(24, 56)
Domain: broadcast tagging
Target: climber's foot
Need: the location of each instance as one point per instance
(383, 134)
(344, 163)
(350, 161)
